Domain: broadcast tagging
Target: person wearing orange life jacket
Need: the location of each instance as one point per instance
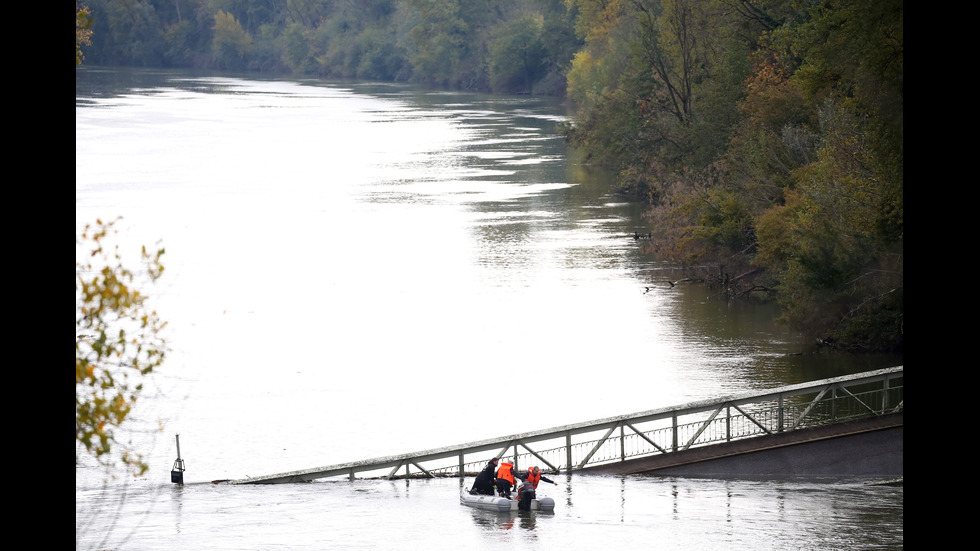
(506, 479)
(527, 493)
(533, 476)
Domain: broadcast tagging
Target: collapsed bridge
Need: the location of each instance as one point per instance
(704, 437)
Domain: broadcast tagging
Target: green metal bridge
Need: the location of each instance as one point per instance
(648, 440)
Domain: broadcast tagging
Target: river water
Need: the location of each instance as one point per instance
(358, 270)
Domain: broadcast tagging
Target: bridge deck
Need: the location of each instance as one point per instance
(872, 446)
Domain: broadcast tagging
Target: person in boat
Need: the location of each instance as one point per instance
(528, 490)
(483, 485)
(506, 478)
(533, 477)
(525, 496)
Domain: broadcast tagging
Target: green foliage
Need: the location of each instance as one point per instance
(657, 84)
(442, 52)
(827, 243)
(765, 133)
(180, 41)
(131, 33)
(512, 45)
(297, 51)
(596, 68)
(118, 342)
(517, 54)
(230, 42)
(720, 222)
(381, 57)
(559, 43)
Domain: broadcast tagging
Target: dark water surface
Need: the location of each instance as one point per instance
(357, 270)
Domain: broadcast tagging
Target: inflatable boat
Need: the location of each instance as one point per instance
(503, 504)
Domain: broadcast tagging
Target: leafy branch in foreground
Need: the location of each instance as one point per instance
(117, 343)
(83, 30)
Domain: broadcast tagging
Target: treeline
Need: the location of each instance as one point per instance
(505, 46)
(766, 135)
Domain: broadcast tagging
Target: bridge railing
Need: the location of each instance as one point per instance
(659, 431)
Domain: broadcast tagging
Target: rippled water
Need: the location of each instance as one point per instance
(357, 270)
(591, 512)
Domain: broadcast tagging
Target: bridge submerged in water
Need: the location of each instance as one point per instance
(754, 429)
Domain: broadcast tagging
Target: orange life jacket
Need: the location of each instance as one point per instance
(505, 472)
(533, 477)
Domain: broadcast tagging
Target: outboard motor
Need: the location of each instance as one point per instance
(525, 494)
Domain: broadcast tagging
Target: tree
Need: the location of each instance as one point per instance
(517, 53)
(118, 341)
(440, 40)
(297, 53)
(231, 42)
(83, 31)
(131, 33)
(840, 272)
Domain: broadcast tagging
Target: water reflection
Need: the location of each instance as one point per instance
(492, 523)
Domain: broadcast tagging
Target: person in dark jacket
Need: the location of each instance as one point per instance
(483, 484)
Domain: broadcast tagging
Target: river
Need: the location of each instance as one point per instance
(356, 270)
